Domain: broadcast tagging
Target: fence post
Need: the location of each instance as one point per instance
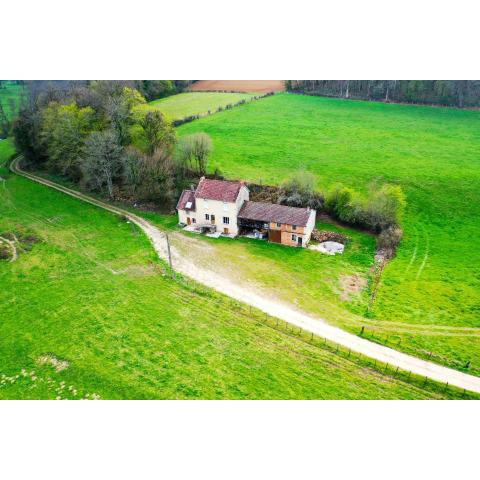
(362, 330)
(169, 256)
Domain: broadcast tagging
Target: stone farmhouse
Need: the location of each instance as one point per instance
(223, 208)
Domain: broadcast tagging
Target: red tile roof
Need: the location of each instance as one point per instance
(221, 190)
(271, 212)
(185, 197)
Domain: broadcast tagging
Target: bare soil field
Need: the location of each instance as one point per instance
(258, 86)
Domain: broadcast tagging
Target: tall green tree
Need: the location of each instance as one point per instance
(63, 133)
(158, 132)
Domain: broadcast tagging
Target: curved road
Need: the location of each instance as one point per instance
(285, 312)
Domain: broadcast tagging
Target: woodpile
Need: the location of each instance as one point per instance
(326, 236)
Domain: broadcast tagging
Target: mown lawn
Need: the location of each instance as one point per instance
(90, 298)
(193, 103)
(429, 297)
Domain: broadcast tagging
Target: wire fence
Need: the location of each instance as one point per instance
(301, 335)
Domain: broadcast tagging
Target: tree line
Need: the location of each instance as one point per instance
(93, 134)
(455, 93)
(31, 89)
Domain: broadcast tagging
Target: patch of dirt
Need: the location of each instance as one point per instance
(351, 285)
(258, 86)
(53, 361)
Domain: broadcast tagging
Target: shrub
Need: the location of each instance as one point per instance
(385, 207)
(5, 253)
(382, 208)
(388, 241)
(298, 191)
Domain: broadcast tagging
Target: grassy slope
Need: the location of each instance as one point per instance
(6, 149)
(431, 152)
(192, 103)
(12, 90)
(136, 334)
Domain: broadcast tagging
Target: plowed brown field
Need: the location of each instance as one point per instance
(258, 86)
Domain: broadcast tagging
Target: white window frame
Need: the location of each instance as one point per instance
(294, 227)
(194, 220)
(225, 206)
(207, 216)
(205, 203)
(294, 237)
(227, 222)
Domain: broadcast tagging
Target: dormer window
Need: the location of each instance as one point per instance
(294, 227)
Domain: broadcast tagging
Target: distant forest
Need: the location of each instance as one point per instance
(455, 93)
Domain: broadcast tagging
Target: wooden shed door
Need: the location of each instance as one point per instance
(275, 236)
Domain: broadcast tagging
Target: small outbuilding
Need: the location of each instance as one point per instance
(281, 224)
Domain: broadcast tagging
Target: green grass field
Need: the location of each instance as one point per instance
(429, 298)
(193, 103)
(86, 312)
(6, 149)
(11, 90)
